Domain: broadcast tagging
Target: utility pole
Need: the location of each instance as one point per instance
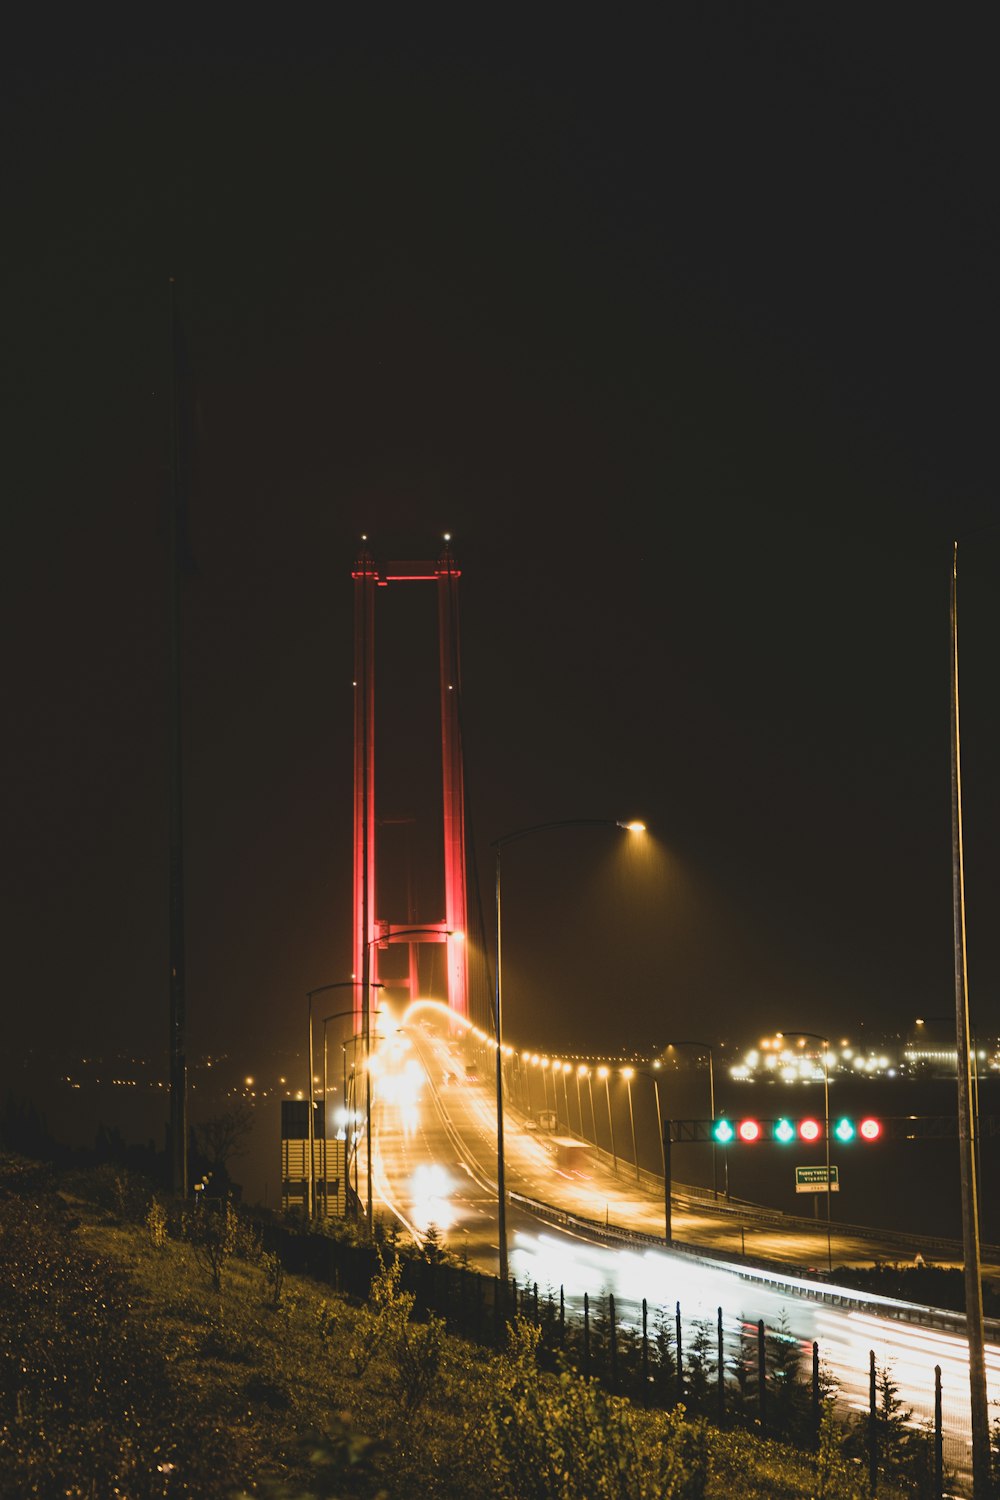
(967, 1123)
(178, 469)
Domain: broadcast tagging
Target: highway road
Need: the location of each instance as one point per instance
(435, 1162)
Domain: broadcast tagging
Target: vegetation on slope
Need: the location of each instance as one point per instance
(148, 1351)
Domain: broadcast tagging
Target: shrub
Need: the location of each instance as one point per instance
(417, 1358)
(565, 1437)
(156, 1224)
(381, 1320)
(214, 1231)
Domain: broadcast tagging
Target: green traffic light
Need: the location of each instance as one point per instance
(784, 1131)
(844, 1130)
(722, 1132)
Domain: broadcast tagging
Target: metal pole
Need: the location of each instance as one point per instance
(711, 1110)
(326, 1131)
(179, 461)
(981, 1483)
(498, 1028)
(593, 1116)
(611, 1122)
(631, 1117)
(668, 1229)
(829, 1184)
(579, 1104)
(659, 1119)
(347, 1125)
(310, 1130)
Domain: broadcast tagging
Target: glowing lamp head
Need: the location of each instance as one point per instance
(723, 1132)
(634, 827)
(748, 1130)
(628, 1074)
(784, 1132)
(870, 1130)
(810, 1130)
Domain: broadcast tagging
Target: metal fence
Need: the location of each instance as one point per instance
(732, 1371)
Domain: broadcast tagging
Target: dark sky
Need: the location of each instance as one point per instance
(684, 325)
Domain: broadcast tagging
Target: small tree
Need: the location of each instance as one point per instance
(417, 1358)
(215, 1233)
(836, 1477)
(788, 1404)
(700, 1366)
(380, 1322)
(224, 1138)
(663, 1363)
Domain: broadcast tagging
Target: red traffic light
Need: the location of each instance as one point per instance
(870, 1130)
(810, 1130)
(748, 1130)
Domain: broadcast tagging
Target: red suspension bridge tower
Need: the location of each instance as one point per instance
(370, 931)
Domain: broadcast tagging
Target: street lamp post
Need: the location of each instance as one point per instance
(385, 938)
(628, 1074)
(815, 1036)
(707, 1048)
(566, 1070)
(339, 1016)
(321, 989)
(580, 1070)
(499, 845)
(604, 1072)
(590, 1091)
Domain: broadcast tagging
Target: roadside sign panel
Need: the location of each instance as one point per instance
(813, 1179)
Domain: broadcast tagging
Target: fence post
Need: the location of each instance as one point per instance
(586, 1334)
(815, 1402)
(762, 1374)
(613, 1342)
(721, 1374)
(645, 1353)
(872, 1420)
(938, 1437)
(680, 1354)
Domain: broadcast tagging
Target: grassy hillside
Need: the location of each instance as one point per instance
(151, 1352)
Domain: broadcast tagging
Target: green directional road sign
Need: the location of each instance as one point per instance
(813, 1179)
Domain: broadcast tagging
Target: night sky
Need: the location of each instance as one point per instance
(685, 326)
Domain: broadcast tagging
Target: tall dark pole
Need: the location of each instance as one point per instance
(311, 1125)
(967, 1124)
(498, 1040)
(498, 844)
(366, 947)
(178, 1044)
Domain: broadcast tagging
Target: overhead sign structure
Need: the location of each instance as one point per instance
(783, 1131)
(813, 1179)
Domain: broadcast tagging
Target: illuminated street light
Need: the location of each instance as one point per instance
(588, 1074)
(628, 1074)
(321, 989)
(604, 1073)
(826, 1127)
(339, 1016)
(385, 938)
(567, 1068)
(499, 844)
(581, 1071)
(545, 1079)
